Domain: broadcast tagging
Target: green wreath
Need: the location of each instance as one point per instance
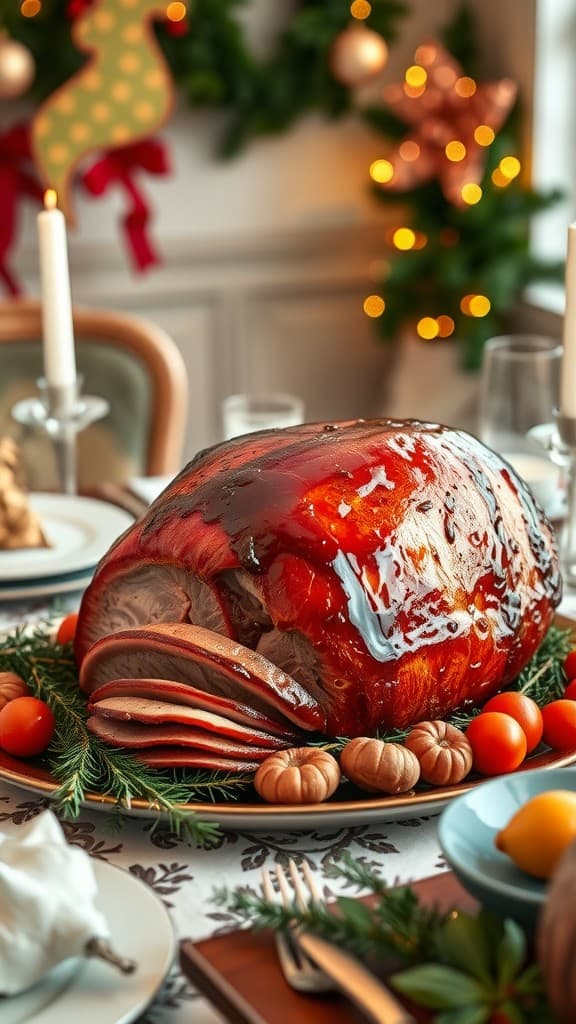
(213, 66)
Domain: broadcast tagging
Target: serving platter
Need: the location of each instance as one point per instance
(260, 817)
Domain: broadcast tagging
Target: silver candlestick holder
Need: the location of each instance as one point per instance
(559, 441)
(61, 412)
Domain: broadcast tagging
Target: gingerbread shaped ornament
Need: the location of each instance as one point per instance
(122, 94)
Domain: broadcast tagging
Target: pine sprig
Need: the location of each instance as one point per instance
(81, 763)
(470, 967)
(397, 925)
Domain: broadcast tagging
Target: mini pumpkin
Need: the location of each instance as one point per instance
(379, 767)
(299, 775)
(444, 752)
(11, 686)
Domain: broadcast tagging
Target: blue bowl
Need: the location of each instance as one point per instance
(467, 830)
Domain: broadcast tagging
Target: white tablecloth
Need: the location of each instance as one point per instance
(184, 877)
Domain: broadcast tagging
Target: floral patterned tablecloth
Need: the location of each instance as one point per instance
(184, 877)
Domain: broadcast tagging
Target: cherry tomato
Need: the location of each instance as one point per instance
(26, 726)
(570, 665)
(498, 743)
(524, 710)
(67, 628)
(559, 724)
(570, 691)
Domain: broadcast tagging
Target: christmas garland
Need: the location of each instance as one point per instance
(212, 64)
(454, 269)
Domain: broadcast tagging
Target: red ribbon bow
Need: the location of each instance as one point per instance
(118, 166)
(17, 179)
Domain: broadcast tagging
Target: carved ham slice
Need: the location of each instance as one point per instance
(180, 757)
(159, 712)
(181, 694)
(135, 737)
(205, 660)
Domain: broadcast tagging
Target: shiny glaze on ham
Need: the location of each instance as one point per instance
(395, 569)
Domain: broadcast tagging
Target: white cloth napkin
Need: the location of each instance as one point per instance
(47, 894)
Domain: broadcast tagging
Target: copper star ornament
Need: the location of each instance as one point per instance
(453, 119)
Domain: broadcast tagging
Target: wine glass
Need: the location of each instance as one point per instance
(519, 390)
(244, 413)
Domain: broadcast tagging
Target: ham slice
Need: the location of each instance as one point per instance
(180, 694)
(206, 661)
(181, 757)
(159, 712)
(135, 736)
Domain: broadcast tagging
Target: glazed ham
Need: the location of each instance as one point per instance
(392, 570)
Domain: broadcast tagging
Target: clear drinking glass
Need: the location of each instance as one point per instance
(244, 413)
(519, 390)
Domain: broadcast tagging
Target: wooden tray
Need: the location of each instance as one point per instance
(240, 975)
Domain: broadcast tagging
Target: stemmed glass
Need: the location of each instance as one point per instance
(519, 391)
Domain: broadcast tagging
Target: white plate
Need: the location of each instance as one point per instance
(90, 992)
(80, 531)
(46, 588)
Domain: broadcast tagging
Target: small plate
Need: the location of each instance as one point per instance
(80, 530)
(467, 831)
(68, 583)
(91, 992)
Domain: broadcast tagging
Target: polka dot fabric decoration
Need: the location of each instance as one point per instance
(122, 94)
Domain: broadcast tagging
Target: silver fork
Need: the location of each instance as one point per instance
(311, 964)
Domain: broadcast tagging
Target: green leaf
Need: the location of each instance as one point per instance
(355, 913)
(439, 987)
(511, 952)
(465, 1015)
(464, 942)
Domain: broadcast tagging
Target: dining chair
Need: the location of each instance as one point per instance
(125, 359)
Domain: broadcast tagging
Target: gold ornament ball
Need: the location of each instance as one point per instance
(358, 54)
(16, 69)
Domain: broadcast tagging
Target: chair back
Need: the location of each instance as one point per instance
(125, 359)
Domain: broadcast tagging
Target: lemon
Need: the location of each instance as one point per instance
(540, 831)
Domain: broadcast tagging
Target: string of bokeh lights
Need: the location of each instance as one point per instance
(406, 239)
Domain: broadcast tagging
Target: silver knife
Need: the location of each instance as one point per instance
(355, 981)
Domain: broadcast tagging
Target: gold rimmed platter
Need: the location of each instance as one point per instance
(338, 812)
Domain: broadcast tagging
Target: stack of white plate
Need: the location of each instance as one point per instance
(79, 530)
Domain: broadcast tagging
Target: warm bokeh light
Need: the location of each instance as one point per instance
(416, 76)
(360, 9)
(465, 87)
(374, 305)
(484, 135)
(50, 199)
(409, 150)
(480, 305)
(404, 238)
(510, 167)
(471, 193)
(425, 54)
(475, 305)
(420, 240)
(176, 11)
(30, 8)
(498, 178)
(446, 326)
(455, 150)
(413, 91)
(427, 328)
(381, 171)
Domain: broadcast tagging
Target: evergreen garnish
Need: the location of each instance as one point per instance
(81, 763)
(469, 967)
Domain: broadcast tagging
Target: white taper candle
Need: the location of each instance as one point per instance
(568, 371)
(58, 331)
